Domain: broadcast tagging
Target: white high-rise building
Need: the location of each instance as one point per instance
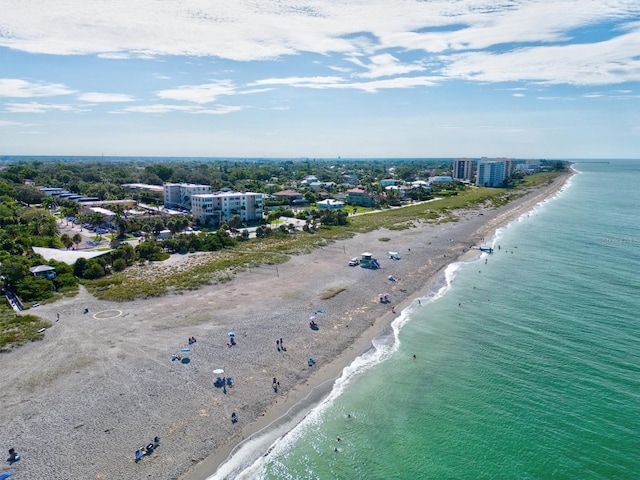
(493, 172)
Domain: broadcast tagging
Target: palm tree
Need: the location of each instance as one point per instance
(66, 240)
(77, 239)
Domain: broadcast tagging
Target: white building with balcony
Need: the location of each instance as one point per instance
(178, 195)
(216, 208)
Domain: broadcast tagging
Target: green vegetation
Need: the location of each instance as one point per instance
(332, 292)
(16, 330)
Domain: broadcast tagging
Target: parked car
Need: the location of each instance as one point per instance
(354, 262)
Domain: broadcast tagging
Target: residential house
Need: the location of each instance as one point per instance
(330, 204)
(290, 195)
(43, 271)
(359, 197)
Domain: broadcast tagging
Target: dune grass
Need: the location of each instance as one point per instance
(17, 330)
(332, 292)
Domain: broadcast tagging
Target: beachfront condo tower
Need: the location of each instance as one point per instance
(493, 172)
(462, 169)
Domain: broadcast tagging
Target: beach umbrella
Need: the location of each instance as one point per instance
(218, 371)
(231, 334)
(5, 475)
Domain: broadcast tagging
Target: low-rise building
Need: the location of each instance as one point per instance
(291, 196)
(359, 197)
(43, 271)
(330, 204)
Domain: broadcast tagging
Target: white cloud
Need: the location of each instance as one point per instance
(337, 82)
(518, 95)
(17, 88)
(95, 97)
(607, 62)
(247, 30)
(160, 108)
(9, 123)
(35, 107)
(385, 65)
(201, 94)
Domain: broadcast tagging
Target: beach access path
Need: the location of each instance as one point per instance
(101, 384)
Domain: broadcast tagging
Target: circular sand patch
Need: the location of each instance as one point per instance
(107, 314)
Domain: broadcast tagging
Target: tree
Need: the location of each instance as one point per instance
(80, 267)
(94, 270)
(235, 221)
(76, 239)
(28, 195)
(32, 288)
(66, 240)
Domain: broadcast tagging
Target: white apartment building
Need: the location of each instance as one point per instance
(180, 194)
(493, 172)
(216, 208)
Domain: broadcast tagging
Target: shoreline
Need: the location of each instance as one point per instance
(105, 378)
(324, 380)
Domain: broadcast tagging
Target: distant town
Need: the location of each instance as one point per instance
(67, 221)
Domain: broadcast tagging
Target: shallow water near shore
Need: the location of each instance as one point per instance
(526, 360)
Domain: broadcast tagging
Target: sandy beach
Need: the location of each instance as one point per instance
(78, 404)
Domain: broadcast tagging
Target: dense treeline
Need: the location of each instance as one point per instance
(104, 179)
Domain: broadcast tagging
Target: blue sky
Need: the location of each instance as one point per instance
(321, 79)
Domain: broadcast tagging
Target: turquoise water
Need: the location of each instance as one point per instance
(527, 366)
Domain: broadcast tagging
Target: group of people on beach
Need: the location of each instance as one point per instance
(147, 449)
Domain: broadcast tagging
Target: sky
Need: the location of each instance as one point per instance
(321, 79)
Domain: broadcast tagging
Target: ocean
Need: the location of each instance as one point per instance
(527, 361)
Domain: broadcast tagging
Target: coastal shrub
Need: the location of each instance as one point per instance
(31, 288)
(384, 239)
(16, 330)
(94, 270)
(158, 257)
(332, 292)
(119, 264)
(80, 266)
(65, 281)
